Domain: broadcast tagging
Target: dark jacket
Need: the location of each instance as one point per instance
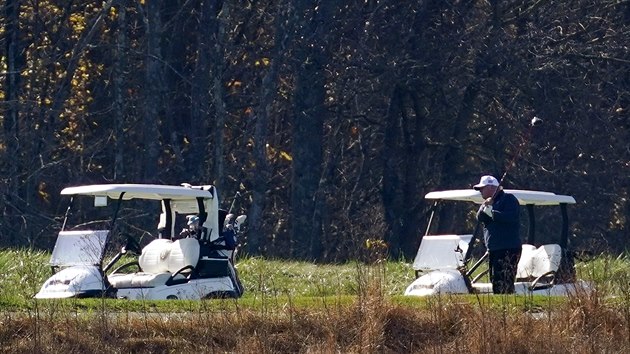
(501, 231)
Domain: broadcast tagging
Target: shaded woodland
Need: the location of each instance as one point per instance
(332, 119)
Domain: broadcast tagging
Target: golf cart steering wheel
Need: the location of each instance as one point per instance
(132, 245)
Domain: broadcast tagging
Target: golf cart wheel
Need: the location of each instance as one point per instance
(171, 297)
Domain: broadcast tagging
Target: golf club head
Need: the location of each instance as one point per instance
(536, 121)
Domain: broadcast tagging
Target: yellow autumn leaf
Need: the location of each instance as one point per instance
(286, 156)
(43, 194)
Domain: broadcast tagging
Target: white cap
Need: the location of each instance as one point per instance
(192, 219)
(486, 181)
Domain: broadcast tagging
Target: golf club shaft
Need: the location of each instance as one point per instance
(236, 196)
(534, 122)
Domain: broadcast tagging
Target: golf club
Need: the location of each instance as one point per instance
(236, 196)
(535, 122)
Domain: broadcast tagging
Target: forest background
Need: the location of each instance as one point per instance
(331, 118)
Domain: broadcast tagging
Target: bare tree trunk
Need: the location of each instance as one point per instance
(153, 93)
(184, 24)
(197, 131)
(392, 183)
(119, 97)
(261, 135)
(308, 120)
(200, 91)
(402, 170)
(218, 94)
(11, 113)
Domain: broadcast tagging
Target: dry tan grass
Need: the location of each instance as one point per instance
(584, 324)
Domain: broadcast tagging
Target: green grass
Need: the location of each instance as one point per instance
(22, 272)
(298, 279)
(267, 282)
(279, 282)
(610, 273)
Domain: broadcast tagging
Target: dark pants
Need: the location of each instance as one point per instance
(503, 265)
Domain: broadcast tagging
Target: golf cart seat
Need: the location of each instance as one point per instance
(162, 262)
(524, 264)
(538, 266)
(542, 262)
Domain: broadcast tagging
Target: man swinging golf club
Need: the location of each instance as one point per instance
(499, 214)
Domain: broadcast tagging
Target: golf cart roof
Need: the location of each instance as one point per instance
(141, 191)
(524, 197)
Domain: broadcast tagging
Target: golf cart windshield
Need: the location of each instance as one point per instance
(441, 252)
(79, 248)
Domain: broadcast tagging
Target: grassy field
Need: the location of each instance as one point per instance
(298, 307)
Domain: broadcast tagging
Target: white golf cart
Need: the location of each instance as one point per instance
(441, 262)
(198, 266)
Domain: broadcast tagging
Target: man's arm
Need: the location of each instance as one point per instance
(482, 216)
